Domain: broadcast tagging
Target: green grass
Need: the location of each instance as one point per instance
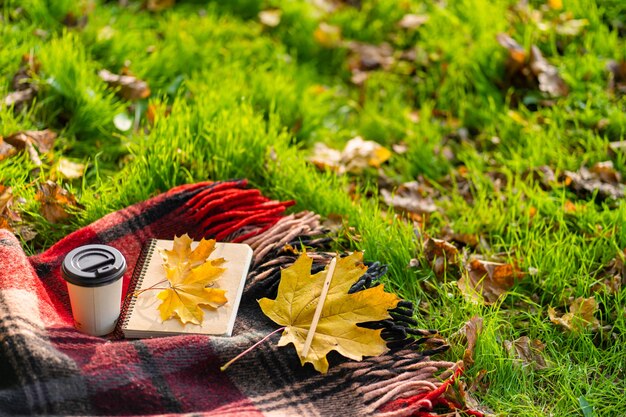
(231, 93)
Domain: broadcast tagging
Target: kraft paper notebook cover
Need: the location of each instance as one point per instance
(141, 315)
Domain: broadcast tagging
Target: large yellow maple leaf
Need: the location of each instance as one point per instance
(297, 299)
(189, 273)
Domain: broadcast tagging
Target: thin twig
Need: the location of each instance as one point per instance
(230, 362)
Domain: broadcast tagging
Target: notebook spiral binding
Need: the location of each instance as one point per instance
(135, 281)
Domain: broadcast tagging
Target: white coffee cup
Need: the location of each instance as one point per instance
(94, 281)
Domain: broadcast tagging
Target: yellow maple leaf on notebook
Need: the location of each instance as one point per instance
(191, 275)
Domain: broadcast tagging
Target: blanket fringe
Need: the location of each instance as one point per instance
(222, 209)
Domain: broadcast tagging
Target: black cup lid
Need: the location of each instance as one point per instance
(93, 265)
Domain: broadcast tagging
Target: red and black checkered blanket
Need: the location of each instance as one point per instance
(47, 367)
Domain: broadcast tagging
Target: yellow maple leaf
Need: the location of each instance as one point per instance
(296, 301)
(189, 273)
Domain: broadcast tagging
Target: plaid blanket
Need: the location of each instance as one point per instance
(47, 367)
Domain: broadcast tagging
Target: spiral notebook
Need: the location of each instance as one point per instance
(140, 315)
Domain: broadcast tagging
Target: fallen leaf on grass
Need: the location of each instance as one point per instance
(462, 240)
(468, 335)
(580, 316)
(357, 155)
(526, 352)
(413, 197)
(130, 87)
(366, 57)
(19, 98)
(602, 179)
(70, 170)
(22, 80)
(334, 222)
(32, 141)
(189, 273)
(159, 5)
(6, 150)
(55, 202)
(547, 75)
(486, 281)
(8, 216)
(270, 18)
(442, 256)
(617, 76)
(25, 90)
(570, 27)
(43, 139)
(613, 276)
(72, 21)
(296, 301)
(412, 21)
(460, 396)
(531, 70)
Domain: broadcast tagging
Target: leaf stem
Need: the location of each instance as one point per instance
(230, 362)
(153, 287)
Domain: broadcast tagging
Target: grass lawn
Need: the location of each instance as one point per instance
(511, 147)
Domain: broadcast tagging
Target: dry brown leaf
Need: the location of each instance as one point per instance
(42, 139)
(413, 197)
(462, 239)
(55, 202)
(70, 170)
(486, 281)
(6, 150)
(461, 397)
(617, 76)
(602, 179)
(606, 172)
(613, 276)
(325, 157)
(468, 335)
(571, 27)
(22, 83)
(334, 222)
(580, 316)
(130, 87)
(72, 21)
(158, 5)
(357, 155)
(19, 98)
(442, 256)
(8, 216)
(412, 21)
(531, 70)
(547, 75)
(270, 18)
(526, 352)
(22, 80)
(31, 141)
(366, 57)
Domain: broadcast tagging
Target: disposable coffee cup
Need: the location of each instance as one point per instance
(94, 281)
